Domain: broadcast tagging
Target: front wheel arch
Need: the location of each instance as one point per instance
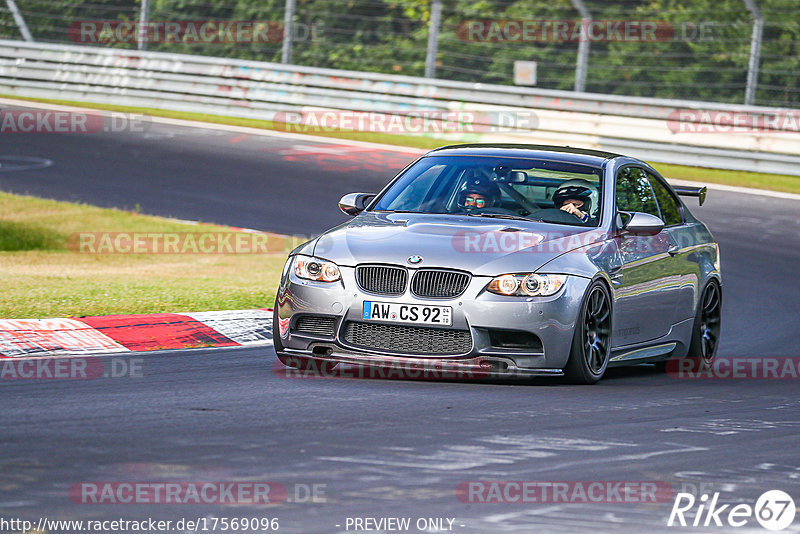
(590, 351)
(706, 324)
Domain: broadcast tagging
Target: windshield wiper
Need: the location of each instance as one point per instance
(504, 216)
(396, 211)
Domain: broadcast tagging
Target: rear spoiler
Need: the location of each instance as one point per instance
(687, 191)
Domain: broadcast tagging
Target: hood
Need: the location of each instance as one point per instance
(481, 246)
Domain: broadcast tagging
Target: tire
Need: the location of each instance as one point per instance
(706, 328)
(591, 344)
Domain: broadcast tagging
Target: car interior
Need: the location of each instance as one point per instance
(517, 189)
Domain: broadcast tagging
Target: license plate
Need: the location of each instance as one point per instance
(394, 312)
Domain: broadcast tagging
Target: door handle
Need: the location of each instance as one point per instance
(673, 249)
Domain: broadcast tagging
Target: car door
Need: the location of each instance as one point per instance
(681, 240)
(643, 287)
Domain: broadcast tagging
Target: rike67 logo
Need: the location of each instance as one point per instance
(773, 510)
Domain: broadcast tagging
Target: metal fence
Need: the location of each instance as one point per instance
(683, 132)
(733, 51)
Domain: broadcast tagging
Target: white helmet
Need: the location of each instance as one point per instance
(579, 189)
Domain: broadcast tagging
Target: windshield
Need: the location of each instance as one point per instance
(554, 192)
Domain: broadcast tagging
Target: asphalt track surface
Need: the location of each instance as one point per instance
(388, 448)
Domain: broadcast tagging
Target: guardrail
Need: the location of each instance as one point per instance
(672, 131)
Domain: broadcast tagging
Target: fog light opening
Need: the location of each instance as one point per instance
(322, 350)
(515, 340)
(499, 365)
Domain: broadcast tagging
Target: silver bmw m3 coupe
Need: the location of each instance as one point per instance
(499, 260)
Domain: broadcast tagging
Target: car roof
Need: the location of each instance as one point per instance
(549, 152)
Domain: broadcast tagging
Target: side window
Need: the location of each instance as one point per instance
(670, 211)
(634, 192)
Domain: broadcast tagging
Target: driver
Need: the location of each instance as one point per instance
(575, 199)
(478, 193)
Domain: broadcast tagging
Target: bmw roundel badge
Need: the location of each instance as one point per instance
(415, 259)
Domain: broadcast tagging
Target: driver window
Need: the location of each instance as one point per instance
(634, 192)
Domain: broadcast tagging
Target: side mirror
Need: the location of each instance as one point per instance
(354, 203)
(639, 223)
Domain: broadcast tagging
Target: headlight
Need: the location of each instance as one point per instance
(316, 269)
(527, 285)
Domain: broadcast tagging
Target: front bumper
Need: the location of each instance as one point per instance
(482, 314)
(478, 368)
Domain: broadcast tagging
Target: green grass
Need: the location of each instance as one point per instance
(41, 276)
(775, 182)
(18, 236)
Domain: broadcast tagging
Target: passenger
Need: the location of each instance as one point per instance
(575, 199)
